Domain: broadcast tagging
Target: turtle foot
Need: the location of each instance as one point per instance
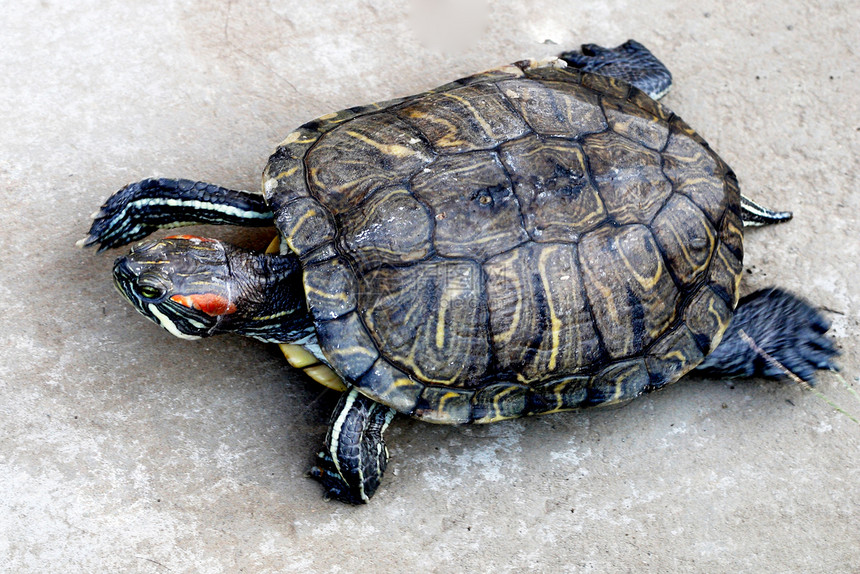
(336, 488)
(353, 460)
(631, 62)
(773, 334)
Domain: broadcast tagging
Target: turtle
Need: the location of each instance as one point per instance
(541, 237)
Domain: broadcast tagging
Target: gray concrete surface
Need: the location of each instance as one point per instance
(123, 449)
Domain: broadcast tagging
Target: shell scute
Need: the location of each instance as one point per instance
(498, 402)
(687, 238)
(362, 155)
(391, 228)
(470, 118)
(558, 200)
(539, 318)
(629, 177)
(555, 108)
(476, 212)
(632, 295)
(347, 345)
(331, 289)
(634, 123)
(430, 318)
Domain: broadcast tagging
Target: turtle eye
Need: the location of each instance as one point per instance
(150, 288)
(150, 292)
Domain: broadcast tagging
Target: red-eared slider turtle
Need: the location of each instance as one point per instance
(537, 238)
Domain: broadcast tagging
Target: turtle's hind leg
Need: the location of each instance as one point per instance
(351, 464)
(773, 331)
(631, 62)
(140, 208)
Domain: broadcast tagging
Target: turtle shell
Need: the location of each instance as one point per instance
(522, 241)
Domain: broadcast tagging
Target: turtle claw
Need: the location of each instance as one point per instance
(336, 488)
(122, 218)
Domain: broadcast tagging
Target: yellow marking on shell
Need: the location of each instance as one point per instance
(305, 216)
(619, 384)
(296, 137)
(449, 139)
(716, 315)
(351, 350)
(733, 229)
(645, 282)
(737, 276)
(395, 150)
(287, 173)
(497, 407)
(518, 289)
(403, 383)
(485, 125)
(555, 322)
(445, 398)
(329, 116)
(559, 399)
(606, 293)
(676, 354)
(689, 182)
(325, 294)
(697, 157)
(682, 243)
(440, 320)
(326, 377)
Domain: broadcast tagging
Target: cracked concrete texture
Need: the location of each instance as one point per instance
(124, 449)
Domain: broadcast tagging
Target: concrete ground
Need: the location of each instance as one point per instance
(123, 449)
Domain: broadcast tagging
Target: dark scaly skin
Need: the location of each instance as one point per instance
(626, 62)
(140, 208)
(354, 456)
(786, 327)
(572, 240)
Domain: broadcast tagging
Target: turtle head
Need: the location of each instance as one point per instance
(196, 287)
(180, 282)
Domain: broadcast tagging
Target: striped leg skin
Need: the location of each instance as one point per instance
(354, 457)
(140, 208)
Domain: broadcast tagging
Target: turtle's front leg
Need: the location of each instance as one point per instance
(351, 464)
(140, 208)
(630, 62)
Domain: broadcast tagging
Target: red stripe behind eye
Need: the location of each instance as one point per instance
(211, 304)
(189, 237)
